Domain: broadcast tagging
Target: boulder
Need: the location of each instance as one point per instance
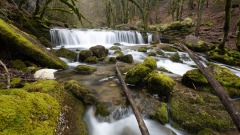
(99, 51)
(21, 45)
(91, 60)
(63, 52)
(125, 58)
(84, 54)
(115, 48)
(197, 45)
(84, 69)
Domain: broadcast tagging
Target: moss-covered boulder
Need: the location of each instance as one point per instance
(230, 57)
(207, 131)
(125, 58)
(84, 54)
(161, 113)
(152, 54)
(111, 60)
(25, 46)
(195, 111)
(91, 60)
(197, 45)
(175, 31)
(63, 52)
(160, 84)
(137, 74)
(99, 51)
(176, 58)
(226, 78)
(168, 49)
(84, 69)
(102, 109)
(79, 91)
(27, 113)
(118, 53)
(115, 48)
(142, 49)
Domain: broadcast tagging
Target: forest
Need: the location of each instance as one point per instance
(119, 67)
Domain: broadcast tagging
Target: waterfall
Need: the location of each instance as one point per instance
(86, 38)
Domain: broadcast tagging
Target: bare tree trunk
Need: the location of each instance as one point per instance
(199, 19)
(238, 30)
(218, 90)
(226, 26)
(180, 10)
(7, 74)
(138, 116)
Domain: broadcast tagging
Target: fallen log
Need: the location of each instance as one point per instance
(7, 74)
(137, 114)
(218, 90)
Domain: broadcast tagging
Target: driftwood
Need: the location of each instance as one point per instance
(218, 90)
(7, 74)
(138, 116)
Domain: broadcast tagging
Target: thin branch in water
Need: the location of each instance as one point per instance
(7, 74)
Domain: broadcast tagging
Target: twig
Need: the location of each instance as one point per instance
(140, 121)
(7, 74)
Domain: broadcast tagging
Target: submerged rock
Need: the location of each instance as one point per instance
(63, 52)
(25, 46)
(84, 69)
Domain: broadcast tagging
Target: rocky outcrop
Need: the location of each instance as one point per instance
(18, 44)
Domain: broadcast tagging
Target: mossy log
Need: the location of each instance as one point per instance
(138, 116)
(27, 45)
(218, 90)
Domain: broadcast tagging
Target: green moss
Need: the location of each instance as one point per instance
(198, 112)
(142, 49)
(163, 70)
(84, 69)
(160, 84)
(225, 77)
(79, 91)
(125, 58)
(194, 77)
(230, 57)
(91, 60)
(63, 52)
(27, 113)
(20, 65)
(168, 49)
(99, 51)
(201, 46)
(176, 25)
(102, 110)
(162, 113)
(84, 54)
(175, 58)
(207, 131)
(111, 60)
(150, 62)
(16, 83)
(152, 54)
(28, 46)
(137, 74)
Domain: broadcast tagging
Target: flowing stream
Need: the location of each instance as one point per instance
(105, 84)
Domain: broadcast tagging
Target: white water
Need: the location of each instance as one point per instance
(125, 124)
(78, 38)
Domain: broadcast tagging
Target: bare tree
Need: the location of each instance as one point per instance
(199, 19)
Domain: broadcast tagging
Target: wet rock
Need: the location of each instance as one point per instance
(84, 54)
(91, 60)
(63, 52)
(99, 51)
(84, 69)
(125, 58)
(197, 45)
(111, 60)
(142, 49)
(176, 58)
(115, 48)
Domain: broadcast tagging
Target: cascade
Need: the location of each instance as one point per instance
(90, 37)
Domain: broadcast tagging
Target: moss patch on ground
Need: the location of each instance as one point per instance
(28, 46)
(27, 113)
